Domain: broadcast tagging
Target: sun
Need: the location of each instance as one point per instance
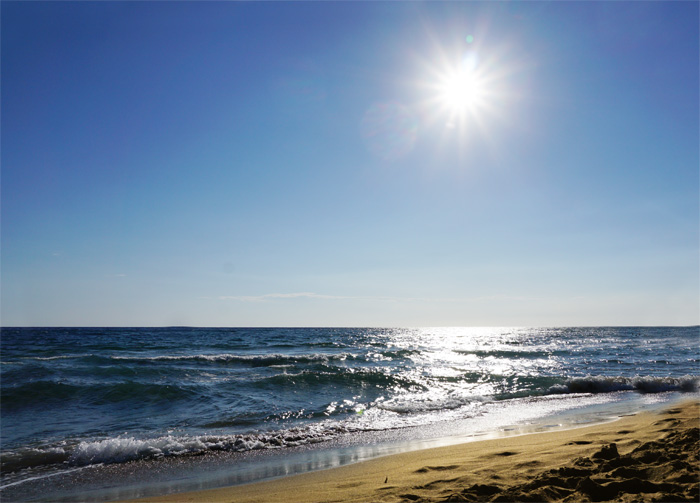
(467, 92)
(461, 90)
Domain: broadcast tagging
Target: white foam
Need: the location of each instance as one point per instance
(44, 476)
(115, 450)
(230, 357)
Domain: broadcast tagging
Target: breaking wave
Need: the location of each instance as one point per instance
(603, 384)
(128, 448)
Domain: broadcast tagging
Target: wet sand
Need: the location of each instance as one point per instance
(651, 456)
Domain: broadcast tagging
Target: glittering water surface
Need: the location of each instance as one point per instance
(78, 397)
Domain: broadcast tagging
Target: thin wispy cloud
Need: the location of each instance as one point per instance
(274, 296)
(311, 295)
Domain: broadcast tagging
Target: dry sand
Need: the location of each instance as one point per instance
(650, 456)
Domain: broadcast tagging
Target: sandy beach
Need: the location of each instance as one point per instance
(651, 456)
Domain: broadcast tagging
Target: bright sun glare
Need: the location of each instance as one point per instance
(467, 88)
(461, 90)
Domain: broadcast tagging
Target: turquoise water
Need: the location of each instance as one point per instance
(75, 398)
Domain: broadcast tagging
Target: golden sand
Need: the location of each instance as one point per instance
(651, 456)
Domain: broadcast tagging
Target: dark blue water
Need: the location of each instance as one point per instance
(73, 397)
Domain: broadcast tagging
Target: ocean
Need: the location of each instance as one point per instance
(93, 414)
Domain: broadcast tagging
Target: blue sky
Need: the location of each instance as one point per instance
(301, 164)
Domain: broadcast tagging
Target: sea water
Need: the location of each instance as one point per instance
(82, 408)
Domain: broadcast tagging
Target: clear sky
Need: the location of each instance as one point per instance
(350, 163)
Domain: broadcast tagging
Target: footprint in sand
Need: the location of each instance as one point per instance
(671, 420)
(436, 468)
(527, 464)
(346, 486)
(436, 483)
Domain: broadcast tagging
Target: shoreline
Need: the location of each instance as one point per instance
(656, 451)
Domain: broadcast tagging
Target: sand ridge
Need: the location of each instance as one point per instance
(647, 457)
(658, 470)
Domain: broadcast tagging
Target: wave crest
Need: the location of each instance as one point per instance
(123, 449)
(642, 384)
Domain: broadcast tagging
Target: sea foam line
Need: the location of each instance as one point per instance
(251, 359)
(123, 449)
(47, 475)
